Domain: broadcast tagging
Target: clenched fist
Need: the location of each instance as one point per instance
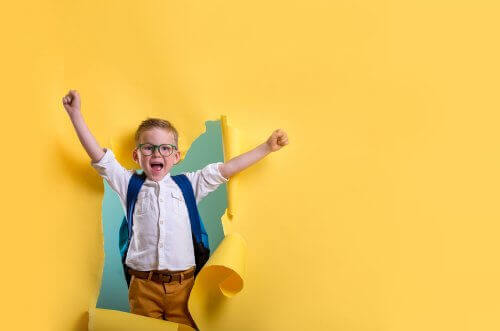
(277, 140)
(71, 102)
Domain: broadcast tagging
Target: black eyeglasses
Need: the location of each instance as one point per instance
(164, 149)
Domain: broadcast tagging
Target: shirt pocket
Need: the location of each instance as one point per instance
(178, 202)
(144, 204)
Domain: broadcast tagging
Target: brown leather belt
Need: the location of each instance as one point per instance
(162, 276)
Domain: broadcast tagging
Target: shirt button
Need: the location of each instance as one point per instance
(161, 199)
(161, 245)
(161, 222)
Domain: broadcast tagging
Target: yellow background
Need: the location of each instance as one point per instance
(381, 214)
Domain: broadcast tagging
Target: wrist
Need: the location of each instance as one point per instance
(75, 115)
(266, 147)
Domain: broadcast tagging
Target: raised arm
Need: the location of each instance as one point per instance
(71, 103)
(276, 141)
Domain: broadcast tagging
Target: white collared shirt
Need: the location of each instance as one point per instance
(161, 234)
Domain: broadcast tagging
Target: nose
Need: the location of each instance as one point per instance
(156, 151)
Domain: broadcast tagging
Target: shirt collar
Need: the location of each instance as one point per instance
(165, 179)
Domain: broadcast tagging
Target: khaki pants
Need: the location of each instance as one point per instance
(166, 301)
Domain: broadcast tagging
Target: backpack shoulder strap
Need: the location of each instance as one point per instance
(125, 232)
(134, 186)
(197, 227)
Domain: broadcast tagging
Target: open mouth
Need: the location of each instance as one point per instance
(156, 166)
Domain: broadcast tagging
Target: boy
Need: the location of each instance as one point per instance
(161, 240)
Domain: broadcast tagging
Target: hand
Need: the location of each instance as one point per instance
(277, 140)
(71, 102)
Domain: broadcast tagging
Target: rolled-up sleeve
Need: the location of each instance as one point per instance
(206, 180)
(114, 173)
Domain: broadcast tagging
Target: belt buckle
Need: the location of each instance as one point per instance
(169, 278)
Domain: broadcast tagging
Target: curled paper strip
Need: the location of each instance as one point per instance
(231, 144)
(113, 320)
(221, 278)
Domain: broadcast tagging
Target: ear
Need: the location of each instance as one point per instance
(177, 157)
(135, 156)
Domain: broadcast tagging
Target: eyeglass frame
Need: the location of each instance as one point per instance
(157, 147)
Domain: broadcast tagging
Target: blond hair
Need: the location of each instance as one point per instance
(151, 123)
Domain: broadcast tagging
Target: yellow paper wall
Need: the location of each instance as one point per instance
(381, 214)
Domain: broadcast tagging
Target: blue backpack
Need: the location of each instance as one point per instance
(200, 237)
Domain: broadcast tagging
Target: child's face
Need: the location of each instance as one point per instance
(156, 165)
